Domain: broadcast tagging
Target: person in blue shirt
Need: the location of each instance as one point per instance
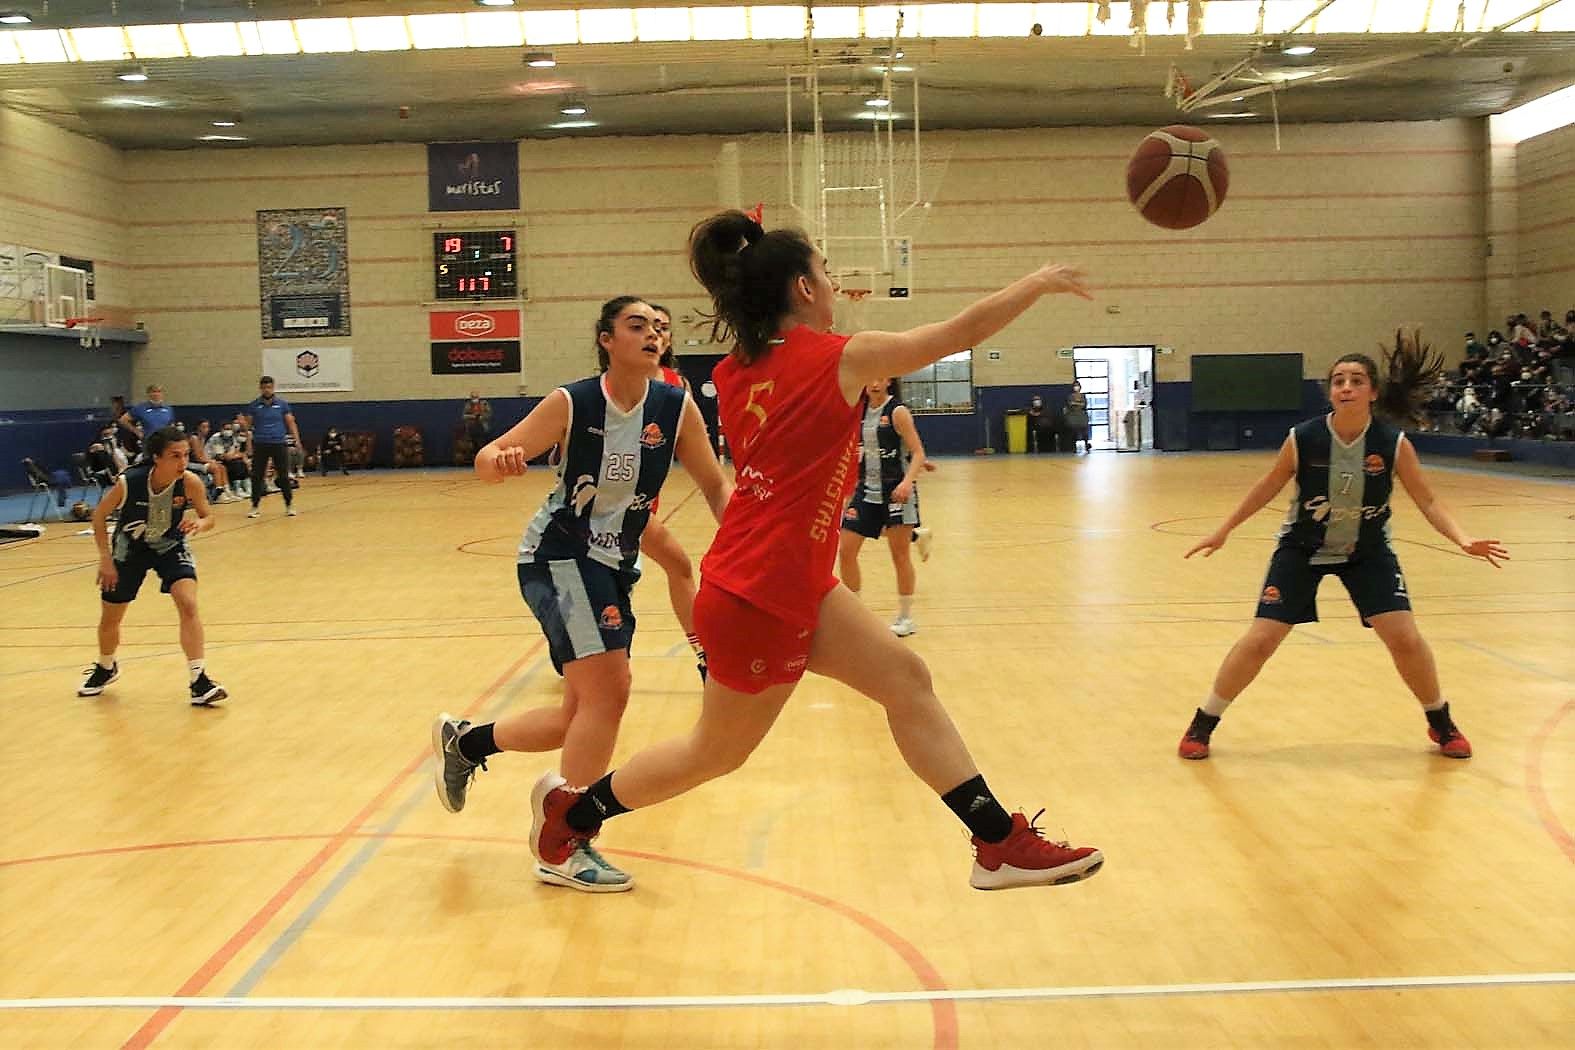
(270, 419)
(150, 415)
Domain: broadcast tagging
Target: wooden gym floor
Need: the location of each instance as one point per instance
(278, 873)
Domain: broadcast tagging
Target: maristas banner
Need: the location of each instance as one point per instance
(473, 176)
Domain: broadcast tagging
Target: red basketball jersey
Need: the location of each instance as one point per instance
(795, 443)
(671, 377)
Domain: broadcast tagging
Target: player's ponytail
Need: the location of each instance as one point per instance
(749, 275)
(1408, 370)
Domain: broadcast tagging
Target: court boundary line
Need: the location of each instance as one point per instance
(844, 997)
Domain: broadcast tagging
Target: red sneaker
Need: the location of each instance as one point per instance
(551, 838)
(1193, 746)
(1453, 744)
(1027, 858)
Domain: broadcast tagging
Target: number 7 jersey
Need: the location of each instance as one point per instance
(613, 466)
(1341, 504)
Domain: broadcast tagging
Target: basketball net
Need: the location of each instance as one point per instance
(88, 329)
(852, 318)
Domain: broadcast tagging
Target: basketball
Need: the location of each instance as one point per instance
(80, 511)
(1178, 177)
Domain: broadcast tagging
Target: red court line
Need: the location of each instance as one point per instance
(1539, 796)
(216, 962)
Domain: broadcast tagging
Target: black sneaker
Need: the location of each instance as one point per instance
(205, 692)
(1195, 741)
(97, 678)
(454, 771)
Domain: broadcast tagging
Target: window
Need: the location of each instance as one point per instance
(945, 386)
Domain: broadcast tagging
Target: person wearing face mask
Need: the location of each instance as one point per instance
(331, 453)
(225, 447)
(1036, 422)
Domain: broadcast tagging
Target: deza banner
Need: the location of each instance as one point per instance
(301, 369)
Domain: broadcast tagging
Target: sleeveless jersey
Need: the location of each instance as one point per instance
(671, 377)
(794, 441)
(1341, 504)
(882, 458)
(613, 465)
(148, 518)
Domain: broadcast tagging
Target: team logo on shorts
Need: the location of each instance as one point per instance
(852, 514)
(1373, 464)
(757, 667)
(795, 665)
(652, 436)
(612, 619)
(885, 421)
(1271, 596)
(177, 502)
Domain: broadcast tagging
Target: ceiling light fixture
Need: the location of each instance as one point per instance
(565, 124)
(1228, 116)
(540, 59)
(878, 102)
(574, 107)
(495, 3)
(134, 73)
(16, 18)
(221, 138)
(228, 122)
(1298, 50)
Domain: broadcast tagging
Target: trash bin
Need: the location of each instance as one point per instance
(1016, 430)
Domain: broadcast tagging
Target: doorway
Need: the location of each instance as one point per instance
(1119, 384)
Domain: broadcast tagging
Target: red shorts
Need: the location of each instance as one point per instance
(746, 648)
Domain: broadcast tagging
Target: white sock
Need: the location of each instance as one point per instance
(1215, 705)
(1436, 705)
(106, 660)
(905, 606)
(196, 669)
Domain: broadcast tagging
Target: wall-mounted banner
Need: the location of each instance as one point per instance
(305, 369)
(473, 176)
(481, 357)
(303, 267)
(474, 324)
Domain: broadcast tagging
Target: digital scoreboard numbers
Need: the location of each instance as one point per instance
(475, 264)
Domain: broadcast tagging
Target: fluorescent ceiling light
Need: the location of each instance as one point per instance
(540, 59)
(221, 138)
(551, 27)
(722, 23)
(493, 29)
(663, 23)
(574, 107)
(573, 124)
(429, 32)
(157, 41)
(1298, 50)
(776, 23)
(946, 20)
(99, 45)
(132, 74)
(380, 33)
(882, 22)
(40, 45)
(212, 39)
(324, 36)
(878, 102)
(16, 18)
(278, 38)
(496, 3)
(607, 26)
(879, 114)
(224, 123)
(131, 102)
(836, 23)
(1228, 116)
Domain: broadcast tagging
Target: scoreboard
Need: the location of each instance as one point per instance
(475, 264)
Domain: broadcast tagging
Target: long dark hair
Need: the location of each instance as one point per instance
(1408, 370)
(610, 311)
(749, 274)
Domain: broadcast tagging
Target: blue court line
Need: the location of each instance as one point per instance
(1512, 661)
(358, 863)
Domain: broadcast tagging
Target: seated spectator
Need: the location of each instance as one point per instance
(225, 447)
(331, 452)
(1548, 328)
(206, 466)
(100, 465)
(1468, 410)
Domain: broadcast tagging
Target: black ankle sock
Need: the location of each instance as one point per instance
(1202, 725)
(1439, 721)
(596, 805)
(976, 807)
(476, 743)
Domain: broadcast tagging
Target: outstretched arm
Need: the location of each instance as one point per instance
(1408, 468)
(1256, 498)
(874, 355)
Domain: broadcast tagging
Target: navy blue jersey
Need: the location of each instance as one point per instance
(149, 519)
(1341, 505)
(883, 459)
(612, 470)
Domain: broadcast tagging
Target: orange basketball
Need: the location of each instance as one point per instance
(1177, 177)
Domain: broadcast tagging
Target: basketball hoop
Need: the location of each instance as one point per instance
(90, 330)
(856, 295)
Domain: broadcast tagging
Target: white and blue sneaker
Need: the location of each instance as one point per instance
(585, 870)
